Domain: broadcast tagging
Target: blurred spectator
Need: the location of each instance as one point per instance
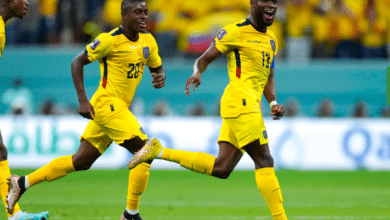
(50, 107)
(217, 111)
(374, 29)
(72, 15)
(291, 108)
(321, 25)
(346, 16)
(137, 106)
(19, 99)
(298, 42)
(385, 111)
(47, 107)
(198, 109)
(161, 108)
(27, 28)
(111, 9)
(360, 109)
(47, 21)
(325, 108)
(278, 26)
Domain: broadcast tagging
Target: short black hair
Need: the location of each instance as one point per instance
(125, 3)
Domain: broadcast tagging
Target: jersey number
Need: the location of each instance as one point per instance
(134, 70)
(266, 59)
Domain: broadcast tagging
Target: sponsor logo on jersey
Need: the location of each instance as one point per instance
(254, 41)
(94, 44)
(222, 34)
(146, 52)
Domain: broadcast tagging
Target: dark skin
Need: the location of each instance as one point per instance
(13, 8)
(134, 17)
(8, 10)
(261, 16)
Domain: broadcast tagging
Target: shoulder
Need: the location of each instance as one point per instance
(243, 23)
(271, 34)
(146, 35)
(2, 24)
(116, 32)
(237, 25)
(107, 38)
(273, 39)
(230, 30)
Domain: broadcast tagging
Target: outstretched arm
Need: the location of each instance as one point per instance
(270, 95)
(77, 66)
(158, 75)
(200, 66)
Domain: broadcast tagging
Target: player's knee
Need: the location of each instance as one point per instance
(3, 152)
(222, 173)
(80, 165)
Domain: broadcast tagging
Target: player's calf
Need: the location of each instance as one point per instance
(3, 151)
(221, 173)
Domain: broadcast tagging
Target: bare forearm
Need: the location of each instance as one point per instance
(78, 79)
(270, 89)
(207, 57)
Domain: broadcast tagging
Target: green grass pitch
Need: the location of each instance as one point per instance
(185, 195)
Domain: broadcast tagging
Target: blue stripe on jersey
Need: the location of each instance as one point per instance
(86, 52)
(273, 63)
(238, 59)
(118, 32)
(238, 63)
(105, 74)
(246, 22)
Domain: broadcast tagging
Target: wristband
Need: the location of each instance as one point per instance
(272, 103)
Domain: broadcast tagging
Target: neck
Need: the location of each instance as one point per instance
(131, 34)
(5, 13)
(259, 26)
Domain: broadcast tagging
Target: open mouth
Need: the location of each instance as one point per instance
(269, 14)
(143, 24)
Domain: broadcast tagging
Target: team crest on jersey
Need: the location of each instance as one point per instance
(146, 52)
(222, 34)
(273, 45)
(94, 44)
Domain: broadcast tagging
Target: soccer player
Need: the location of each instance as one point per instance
(250, 49)
(123, 54)
(8, 10)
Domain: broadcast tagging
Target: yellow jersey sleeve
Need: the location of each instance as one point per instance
(227, 38)
(100, 47)
(2, 35)
(154, 59)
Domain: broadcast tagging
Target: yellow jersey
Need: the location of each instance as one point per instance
(122, 63)
(250, 56)
(2, 35)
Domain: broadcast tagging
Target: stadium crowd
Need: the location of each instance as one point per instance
(305, 28)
